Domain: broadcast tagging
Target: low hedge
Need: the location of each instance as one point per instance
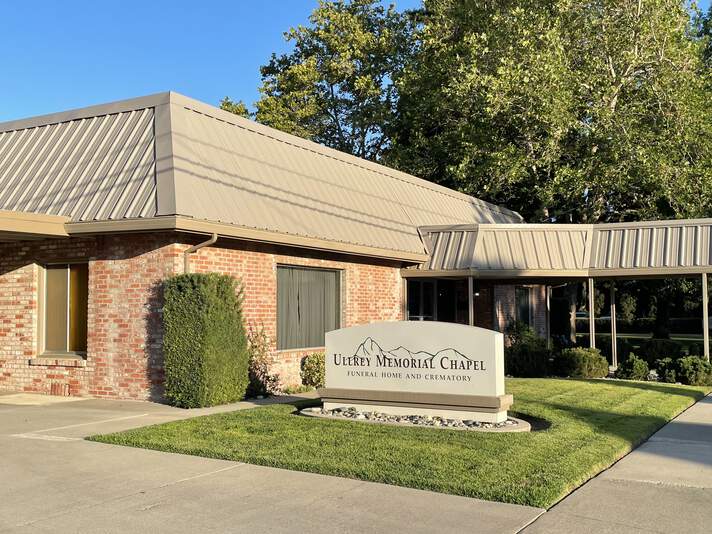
(205, 344)
(689, 370)
(633, 368)
(581, 362)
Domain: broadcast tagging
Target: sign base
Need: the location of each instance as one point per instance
(487, 409)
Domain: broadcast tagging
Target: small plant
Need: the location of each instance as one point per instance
(581, 362)
(633, 368)
(527, 354)
(262, 382)
(313, 370)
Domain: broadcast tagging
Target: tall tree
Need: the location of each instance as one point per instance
(584, 111)
(238, 107)
(336, 86)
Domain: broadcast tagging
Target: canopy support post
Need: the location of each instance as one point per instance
(614, 328)
(470, 301)
(705, 317)
(591, 315)
(548, 317)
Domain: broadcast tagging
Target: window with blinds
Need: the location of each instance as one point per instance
(308, 306)
(66, 296)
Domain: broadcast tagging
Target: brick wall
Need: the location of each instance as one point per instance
(369, 292)
(124, 354)
(505, 307)
(124, 346)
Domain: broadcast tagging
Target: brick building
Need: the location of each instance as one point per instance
(100, 205)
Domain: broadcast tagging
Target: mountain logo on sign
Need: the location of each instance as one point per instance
(448, 358)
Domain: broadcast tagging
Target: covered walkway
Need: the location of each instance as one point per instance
(552, 254)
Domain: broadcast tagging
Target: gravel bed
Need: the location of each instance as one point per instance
(412, 420)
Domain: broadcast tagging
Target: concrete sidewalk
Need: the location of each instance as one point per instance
(51, 480)
(664, 486)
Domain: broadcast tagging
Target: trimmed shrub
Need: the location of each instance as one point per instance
(581, 362)
(655, 349)
(205, 345)
(667, 370)
(694, 371)
(314, 370)
(527, 355)
(633, 368)
(261, 381)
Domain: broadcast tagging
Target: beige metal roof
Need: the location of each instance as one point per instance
(536, 250)
(23, 226)
(168, 155)
(94, 168)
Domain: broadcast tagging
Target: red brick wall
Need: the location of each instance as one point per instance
(369, 292)
(504, 307)
(124, 346)
(124, 355)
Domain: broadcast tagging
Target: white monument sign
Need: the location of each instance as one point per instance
(414, 367)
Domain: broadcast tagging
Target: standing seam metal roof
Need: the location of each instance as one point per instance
(616, 249)
(170, 155)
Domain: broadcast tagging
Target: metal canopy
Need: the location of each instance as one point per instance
(617, 250)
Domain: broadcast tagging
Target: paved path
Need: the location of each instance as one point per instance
(51, 480)
(663, 486)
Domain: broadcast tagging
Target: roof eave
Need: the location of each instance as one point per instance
(187, 224)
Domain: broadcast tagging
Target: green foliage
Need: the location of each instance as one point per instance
(633, 368)
(205, 345)
(527, 354)
(655, 349)
(581, 111)
(236, 107)
(336, 86)
(581, 362)
(314, 370)
(261, 381)
(667, 370)
(693, 371)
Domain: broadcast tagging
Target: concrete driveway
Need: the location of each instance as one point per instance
(51, 480)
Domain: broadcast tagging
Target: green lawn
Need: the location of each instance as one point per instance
(593, 423)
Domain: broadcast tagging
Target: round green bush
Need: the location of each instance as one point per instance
(633, 368)
(527, 355)
(313, 370)
(667, 370)
(581, 362)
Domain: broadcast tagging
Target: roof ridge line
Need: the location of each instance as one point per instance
(322, 150)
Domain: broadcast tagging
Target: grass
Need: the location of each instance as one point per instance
(593, 423)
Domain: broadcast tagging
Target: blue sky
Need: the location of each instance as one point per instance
(58, 55)
(62, 55)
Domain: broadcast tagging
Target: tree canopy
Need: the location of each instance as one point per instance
(563, 110)
(583, 111)
(336, 86)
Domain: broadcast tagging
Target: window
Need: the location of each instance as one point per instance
(65, 308)
(522, 298)
(308, 306)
